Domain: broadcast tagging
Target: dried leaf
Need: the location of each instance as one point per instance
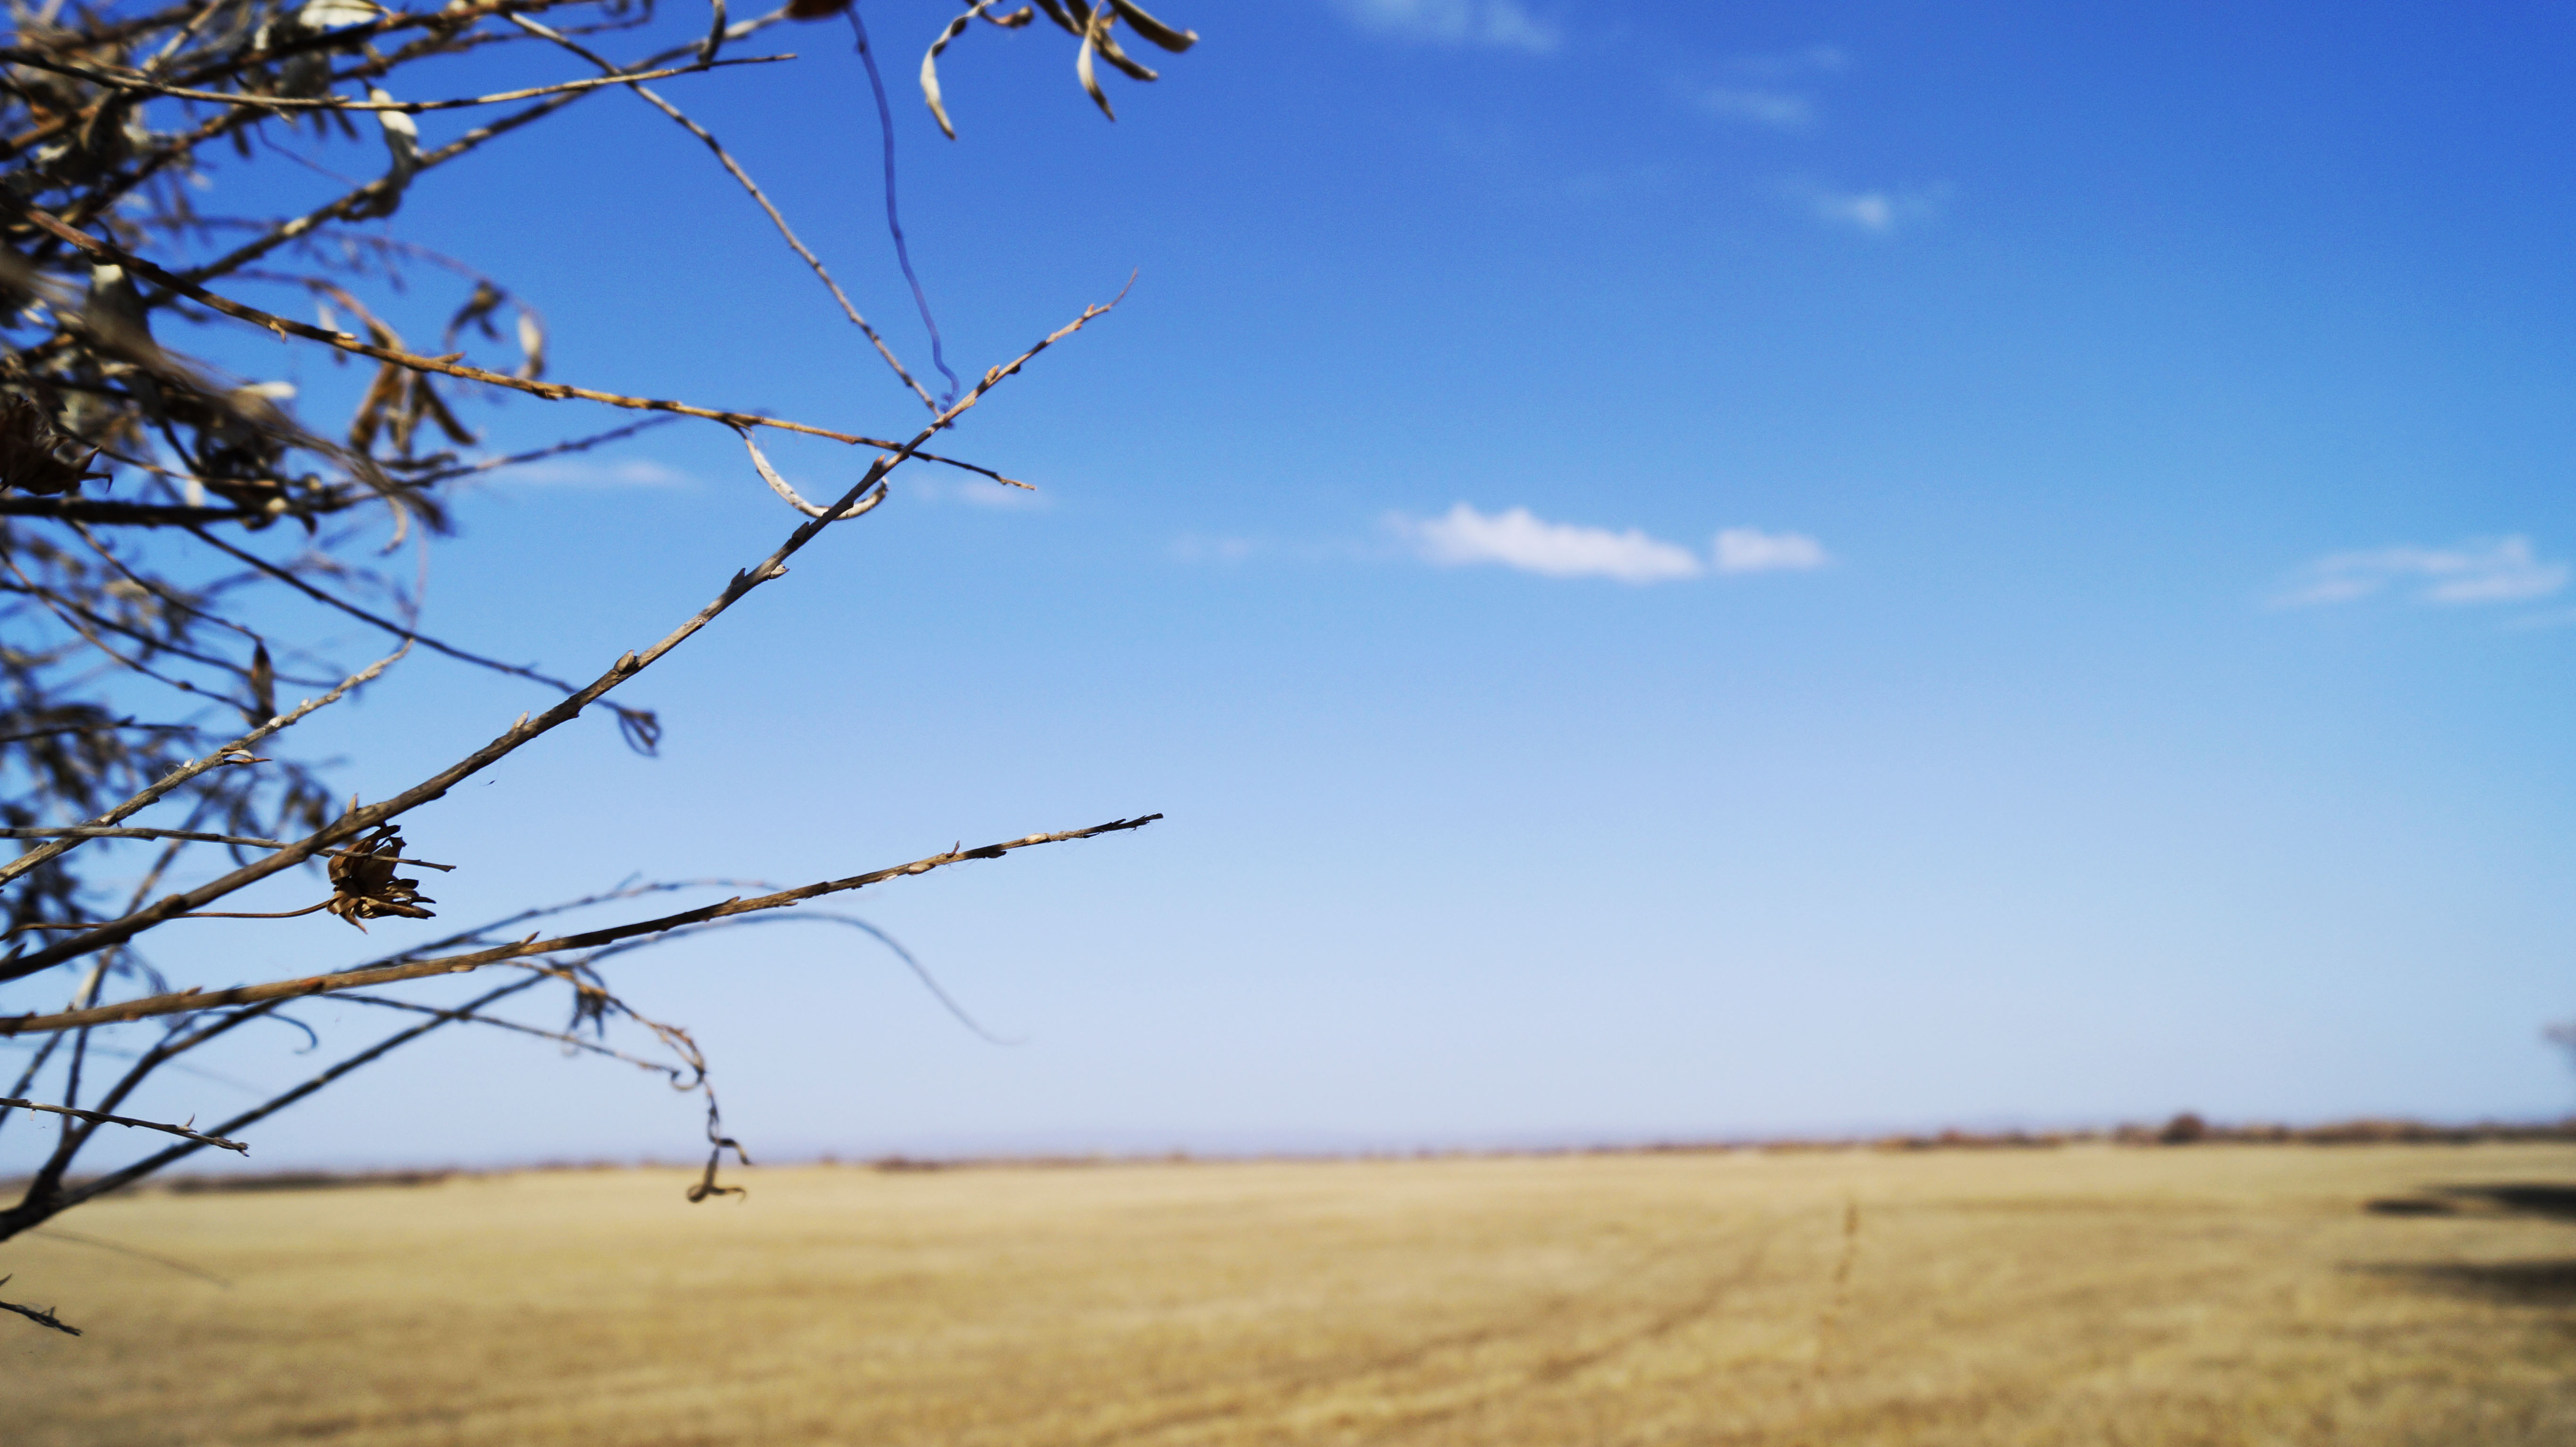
(1155, 30)
(532, 344)
(402, 143)
(1082, 68)
(477, 312)
(383, 394)
(1110, 52)
(930, 67)
(427, 402)
(263, 686)
(30, 453)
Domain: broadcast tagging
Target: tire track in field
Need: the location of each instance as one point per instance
(1546, 1314)
(1558, 1368)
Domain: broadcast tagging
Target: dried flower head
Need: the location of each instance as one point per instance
(363, 886)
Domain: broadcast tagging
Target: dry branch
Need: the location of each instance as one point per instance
(95, 1117)
(148, 86)
(189, 1001)
(192, 836)
(41, 1316)
(734, 169)
(360, 819)
(235, 753)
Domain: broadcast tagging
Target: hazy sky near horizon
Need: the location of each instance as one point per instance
(1675, 570)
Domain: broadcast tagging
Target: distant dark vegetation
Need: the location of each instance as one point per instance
(2185, 1129)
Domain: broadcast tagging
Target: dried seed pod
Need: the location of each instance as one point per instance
(363, 886)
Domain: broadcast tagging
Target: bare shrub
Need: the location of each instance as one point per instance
(151, 505)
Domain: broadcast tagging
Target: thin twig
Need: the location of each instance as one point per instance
(360, 201)
(190, 836)
(551, 391)
(894, 223)
(236, 752)
(41, 1316)
(98, 728)
(387, 624)
(734, 169)
(360, 819)
(31, 1212)
(570, 1041)
(579, 444)
(96, 1117)
(371, 976)
(96, 75)
(57, 1233)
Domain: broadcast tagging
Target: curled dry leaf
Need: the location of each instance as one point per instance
(957, 27)
(1093, 32)
(363, 886)
(532, 344)
(31, 457)
(1154, 30)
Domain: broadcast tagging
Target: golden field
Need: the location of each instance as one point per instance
(2094, 1295)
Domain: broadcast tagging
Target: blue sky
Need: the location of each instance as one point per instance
(1676, 571)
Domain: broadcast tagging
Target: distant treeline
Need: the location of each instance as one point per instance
(2190, 1129)
(2187, 1129)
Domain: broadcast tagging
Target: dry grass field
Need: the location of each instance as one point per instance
(2213, 1294)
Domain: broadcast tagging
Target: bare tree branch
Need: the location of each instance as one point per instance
(375, 975)
(35, 1210)
(96, 1117)
(237, 752)
(41, 1316)
(360, 819)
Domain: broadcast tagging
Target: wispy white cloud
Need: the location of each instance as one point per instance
(1518, 538)
(591, 472)
(1502, 23)
(1876, 213)
(1751, 550)
(1764, 90)
(2489, 570)
(1779, 109)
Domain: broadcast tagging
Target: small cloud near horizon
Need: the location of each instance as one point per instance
(2487, 570)
(1504, 24)
(1517, 538)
